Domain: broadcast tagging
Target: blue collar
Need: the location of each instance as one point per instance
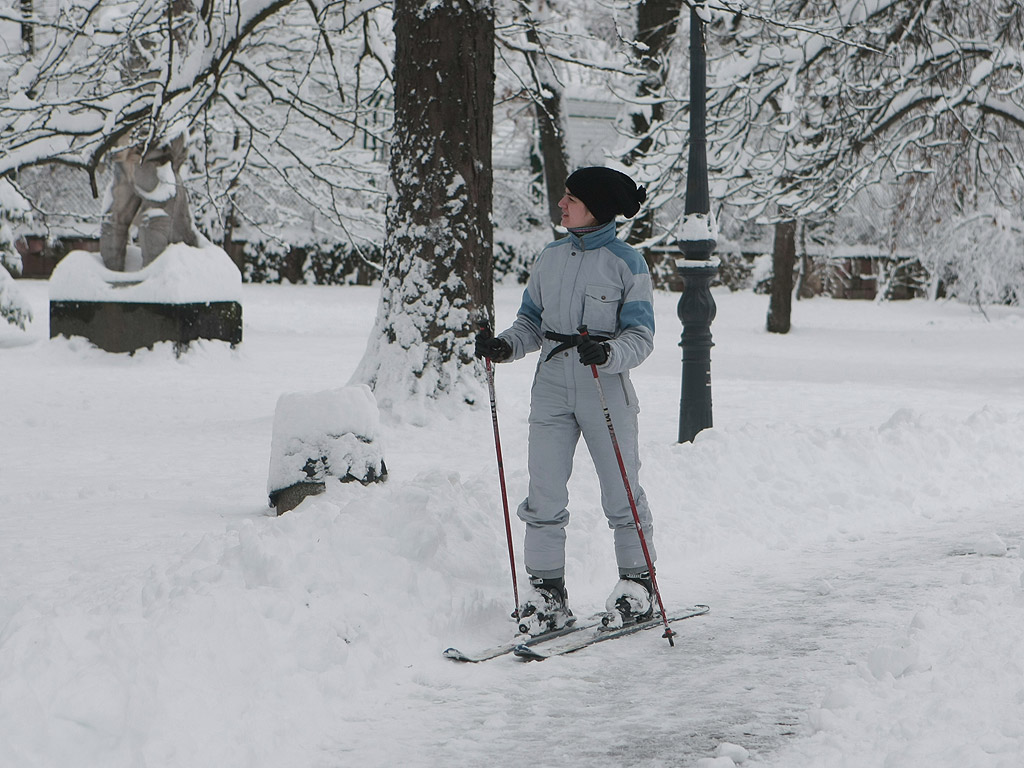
(596, 239)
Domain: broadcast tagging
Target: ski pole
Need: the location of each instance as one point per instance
(501, 478)
(669, 634)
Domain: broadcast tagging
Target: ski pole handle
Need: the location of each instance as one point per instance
(582, 331)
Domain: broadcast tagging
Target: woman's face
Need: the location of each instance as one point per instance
(575, 213)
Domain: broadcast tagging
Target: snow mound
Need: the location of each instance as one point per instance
(734, 752)
(337, 430)
(991, 545)
(180, 275)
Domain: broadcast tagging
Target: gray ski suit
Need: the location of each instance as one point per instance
(600, 281)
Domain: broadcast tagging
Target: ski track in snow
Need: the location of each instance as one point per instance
(747, 674)
(853, 519)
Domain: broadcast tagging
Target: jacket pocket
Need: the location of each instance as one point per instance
(601, 309)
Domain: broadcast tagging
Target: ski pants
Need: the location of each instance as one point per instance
(565, 404)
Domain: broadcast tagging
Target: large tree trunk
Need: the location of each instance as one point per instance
(438, 274)
(780, 306)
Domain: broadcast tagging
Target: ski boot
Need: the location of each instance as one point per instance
(631, 602)
(544, 607)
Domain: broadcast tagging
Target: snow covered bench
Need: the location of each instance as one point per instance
(318, 435)
(185, 294)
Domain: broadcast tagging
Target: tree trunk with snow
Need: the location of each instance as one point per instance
(656, 24)
(438, 276)
(780, 307)
(553, 152)
(27, 31)
(551, 123)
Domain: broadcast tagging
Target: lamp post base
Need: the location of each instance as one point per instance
(696, 311)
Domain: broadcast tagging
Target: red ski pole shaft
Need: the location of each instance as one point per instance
(629, 494)
(501, 480)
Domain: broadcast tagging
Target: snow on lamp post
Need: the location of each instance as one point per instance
(697, 241)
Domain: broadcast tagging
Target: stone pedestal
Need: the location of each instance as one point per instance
(121, 326)
(289, 498)
(185, 294)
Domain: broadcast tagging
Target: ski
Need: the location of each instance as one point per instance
(547, 646)
(505, 648)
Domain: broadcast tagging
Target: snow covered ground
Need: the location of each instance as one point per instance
(854, 519)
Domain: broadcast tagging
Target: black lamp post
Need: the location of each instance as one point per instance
(698, 267)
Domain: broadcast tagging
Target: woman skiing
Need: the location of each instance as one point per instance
(594, 279)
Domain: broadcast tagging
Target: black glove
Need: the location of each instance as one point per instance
(490, 347)
(593, 352)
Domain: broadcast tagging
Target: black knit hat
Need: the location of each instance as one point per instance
(606, 192)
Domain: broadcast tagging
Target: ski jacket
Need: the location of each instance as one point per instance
(596, 280)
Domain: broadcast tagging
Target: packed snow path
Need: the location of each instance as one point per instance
(840, 617)
(854, 520)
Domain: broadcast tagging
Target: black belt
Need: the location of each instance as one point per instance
(569, 340)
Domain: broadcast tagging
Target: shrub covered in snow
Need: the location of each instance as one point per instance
(979, 258)
(13, 307)
(13, 208)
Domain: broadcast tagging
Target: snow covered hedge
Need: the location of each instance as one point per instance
(521, 231)
(344, 264)
(318, 263)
